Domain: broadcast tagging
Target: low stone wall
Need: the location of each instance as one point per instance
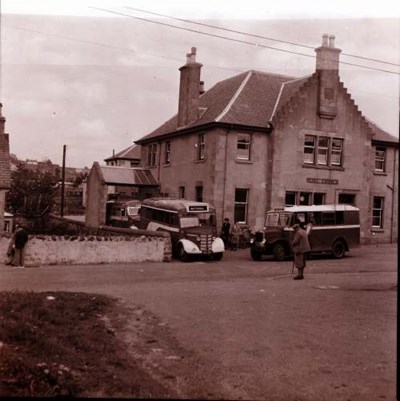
(96, 246)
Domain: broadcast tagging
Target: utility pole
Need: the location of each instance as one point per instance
(63, 182)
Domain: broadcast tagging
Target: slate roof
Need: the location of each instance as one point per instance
(234, 100)
(127, 176)
(132, 152)
(380, 134)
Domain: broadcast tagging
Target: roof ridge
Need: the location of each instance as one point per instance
(235, 96)
(306, 77)
(277, 101)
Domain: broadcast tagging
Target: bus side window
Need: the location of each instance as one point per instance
(317, 218)
(339, 217)
(328, 218)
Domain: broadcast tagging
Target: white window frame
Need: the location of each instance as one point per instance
(239, 203)
(377, 212)
(167, 155)
(201, 144)
(336, 150)
(380, 157)
(317, 153)
(323, 151)
(243, 146)
(152, 155)
(308, 146)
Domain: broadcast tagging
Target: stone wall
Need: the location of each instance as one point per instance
(104, 245)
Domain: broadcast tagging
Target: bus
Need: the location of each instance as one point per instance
(191, 225)
(331, 228)
(122, 213)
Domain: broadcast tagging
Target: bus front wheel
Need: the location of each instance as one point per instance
(338, 249)
(183, 256)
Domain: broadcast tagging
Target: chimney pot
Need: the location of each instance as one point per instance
(325, 40)
(332, 41)
(191, 57)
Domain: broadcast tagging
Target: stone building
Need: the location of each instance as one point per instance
(257, 141)
(5, 168)
(111, 183)
(129, 157)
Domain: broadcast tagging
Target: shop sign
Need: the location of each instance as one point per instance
(328, 181)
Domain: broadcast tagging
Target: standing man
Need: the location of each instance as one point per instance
(225, 232)
(300, 247)
(20, 240)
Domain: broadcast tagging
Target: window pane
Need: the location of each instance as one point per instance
(241, 195)
(377, 211)
(323, 143)
(243, 147)
(290, 198)
(380, 159)
(319, 198)
(309, 149)
(240, 213)
(200, 146)
(336, 153)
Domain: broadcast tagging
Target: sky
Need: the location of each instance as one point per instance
(98, 75)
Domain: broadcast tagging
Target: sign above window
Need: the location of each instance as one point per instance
(328, 181)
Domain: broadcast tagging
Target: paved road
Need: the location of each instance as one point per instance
(239, 329)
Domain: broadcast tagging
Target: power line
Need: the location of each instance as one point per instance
(89, 42)
(235, 40)
(254, 35)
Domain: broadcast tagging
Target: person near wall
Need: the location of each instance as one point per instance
(225, 232)
(10, 251)
(235, 236)
(301, 247)
(20, 239)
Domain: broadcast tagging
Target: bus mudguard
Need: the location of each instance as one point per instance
(218, 245)
(189, 247)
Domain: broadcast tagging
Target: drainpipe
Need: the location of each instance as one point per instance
(393, 193)
(225, 167)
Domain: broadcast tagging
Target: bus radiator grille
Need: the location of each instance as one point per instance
(205, 243)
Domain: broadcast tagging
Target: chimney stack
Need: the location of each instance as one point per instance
(2, 120)
(328, 54)
(327, 70)
(189, 90)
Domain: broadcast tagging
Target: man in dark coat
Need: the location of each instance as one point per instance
(20, 239)
(225, 232)
(301, 247)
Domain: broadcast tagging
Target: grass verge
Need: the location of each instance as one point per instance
(65, 344)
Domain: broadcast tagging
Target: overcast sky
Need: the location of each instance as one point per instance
(97, 80)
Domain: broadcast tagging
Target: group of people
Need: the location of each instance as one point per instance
(300, 243)
(230, 235)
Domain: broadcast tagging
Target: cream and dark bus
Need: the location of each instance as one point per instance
(192, 226)
(123, 213)
(331, 229)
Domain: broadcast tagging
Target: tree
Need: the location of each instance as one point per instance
(31, 192)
